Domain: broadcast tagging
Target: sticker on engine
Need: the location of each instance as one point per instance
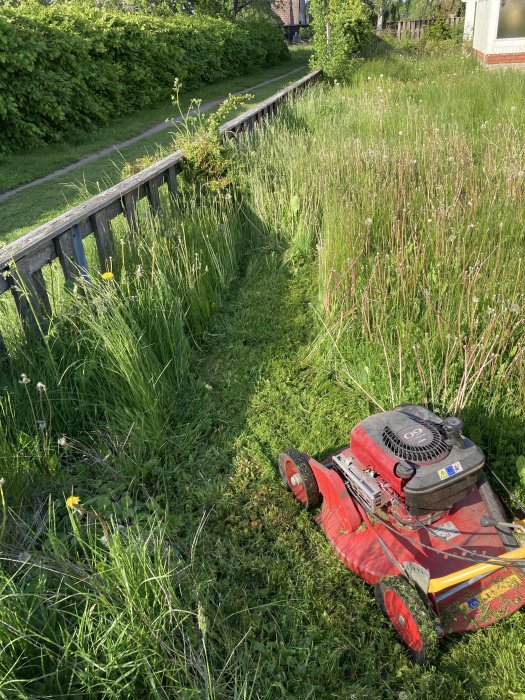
(446, 531)
(451, 470)
(495, 591)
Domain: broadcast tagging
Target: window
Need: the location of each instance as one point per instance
(511, 23)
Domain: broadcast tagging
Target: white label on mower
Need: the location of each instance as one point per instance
(451, 470)
(446, 532)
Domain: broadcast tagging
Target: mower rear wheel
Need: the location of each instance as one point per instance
(407, 612)
(298, 477)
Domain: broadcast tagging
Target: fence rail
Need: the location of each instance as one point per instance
(415, 28)
(22, 261)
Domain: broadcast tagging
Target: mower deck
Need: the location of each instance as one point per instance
(495, 596)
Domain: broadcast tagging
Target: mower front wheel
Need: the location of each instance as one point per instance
(298, 477)
(414, 622)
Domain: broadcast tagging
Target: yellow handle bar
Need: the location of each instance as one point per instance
(438, 584)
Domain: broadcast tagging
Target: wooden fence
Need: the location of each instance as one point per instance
(22, 262)
(415, 28)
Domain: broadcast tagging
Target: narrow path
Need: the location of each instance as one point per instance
(162, 126)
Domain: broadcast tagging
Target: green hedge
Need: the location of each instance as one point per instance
(64, 70)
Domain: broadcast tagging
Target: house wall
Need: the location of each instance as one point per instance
(292, 12)
(487, 47)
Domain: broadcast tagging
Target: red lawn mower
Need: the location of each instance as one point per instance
(407, 507)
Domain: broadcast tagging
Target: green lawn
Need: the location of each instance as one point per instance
(30, 208)
(371, 255)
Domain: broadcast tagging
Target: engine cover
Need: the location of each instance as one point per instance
(426, 459)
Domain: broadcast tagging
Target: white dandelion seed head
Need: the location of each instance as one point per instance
(42, 425)
(521, 173)
(475, 300)
(401, 133)
(450, 159)
(368, 221)
(24, 379)
(515, 308)
(62, 441)
(41, 388)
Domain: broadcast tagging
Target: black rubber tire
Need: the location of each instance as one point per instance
(496, 511)
(312, 495)
(421, 613)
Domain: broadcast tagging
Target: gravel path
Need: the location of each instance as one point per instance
(162, 126)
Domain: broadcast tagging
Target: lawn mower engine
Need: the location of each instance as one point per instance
(410, 462)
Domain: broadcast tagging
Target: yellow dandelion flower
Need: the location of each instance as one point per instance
(107, 275)
(72, 501)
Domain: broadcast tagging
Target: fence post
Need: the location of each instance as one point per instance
(29, 292)
(172, 181)
(71, 254)
(103, 237)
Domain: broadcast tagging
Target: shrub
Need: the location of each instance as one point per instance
(67, 69)
(340, 27)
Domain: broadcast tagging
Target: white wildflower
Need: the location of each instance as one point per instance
(450, 159)
(475, 300)
(401, 133)
(521, 173)
(41, 388)
(24, 379)
(515, 308)
(368, 221)
(62, 441)
(42, 425)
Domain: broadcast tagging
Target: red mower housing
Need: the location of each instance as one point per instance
(408, 509)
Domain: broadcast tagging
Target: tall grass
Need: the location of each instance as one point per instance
(92, 409)
(410, 182)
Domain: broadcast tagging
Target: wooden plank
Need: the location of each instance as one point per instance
(103, 237)
(172, 181)
(67, 255)
(4, 285)
(4, 355)
(129, 202)
(30, 295)
(152, 189)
